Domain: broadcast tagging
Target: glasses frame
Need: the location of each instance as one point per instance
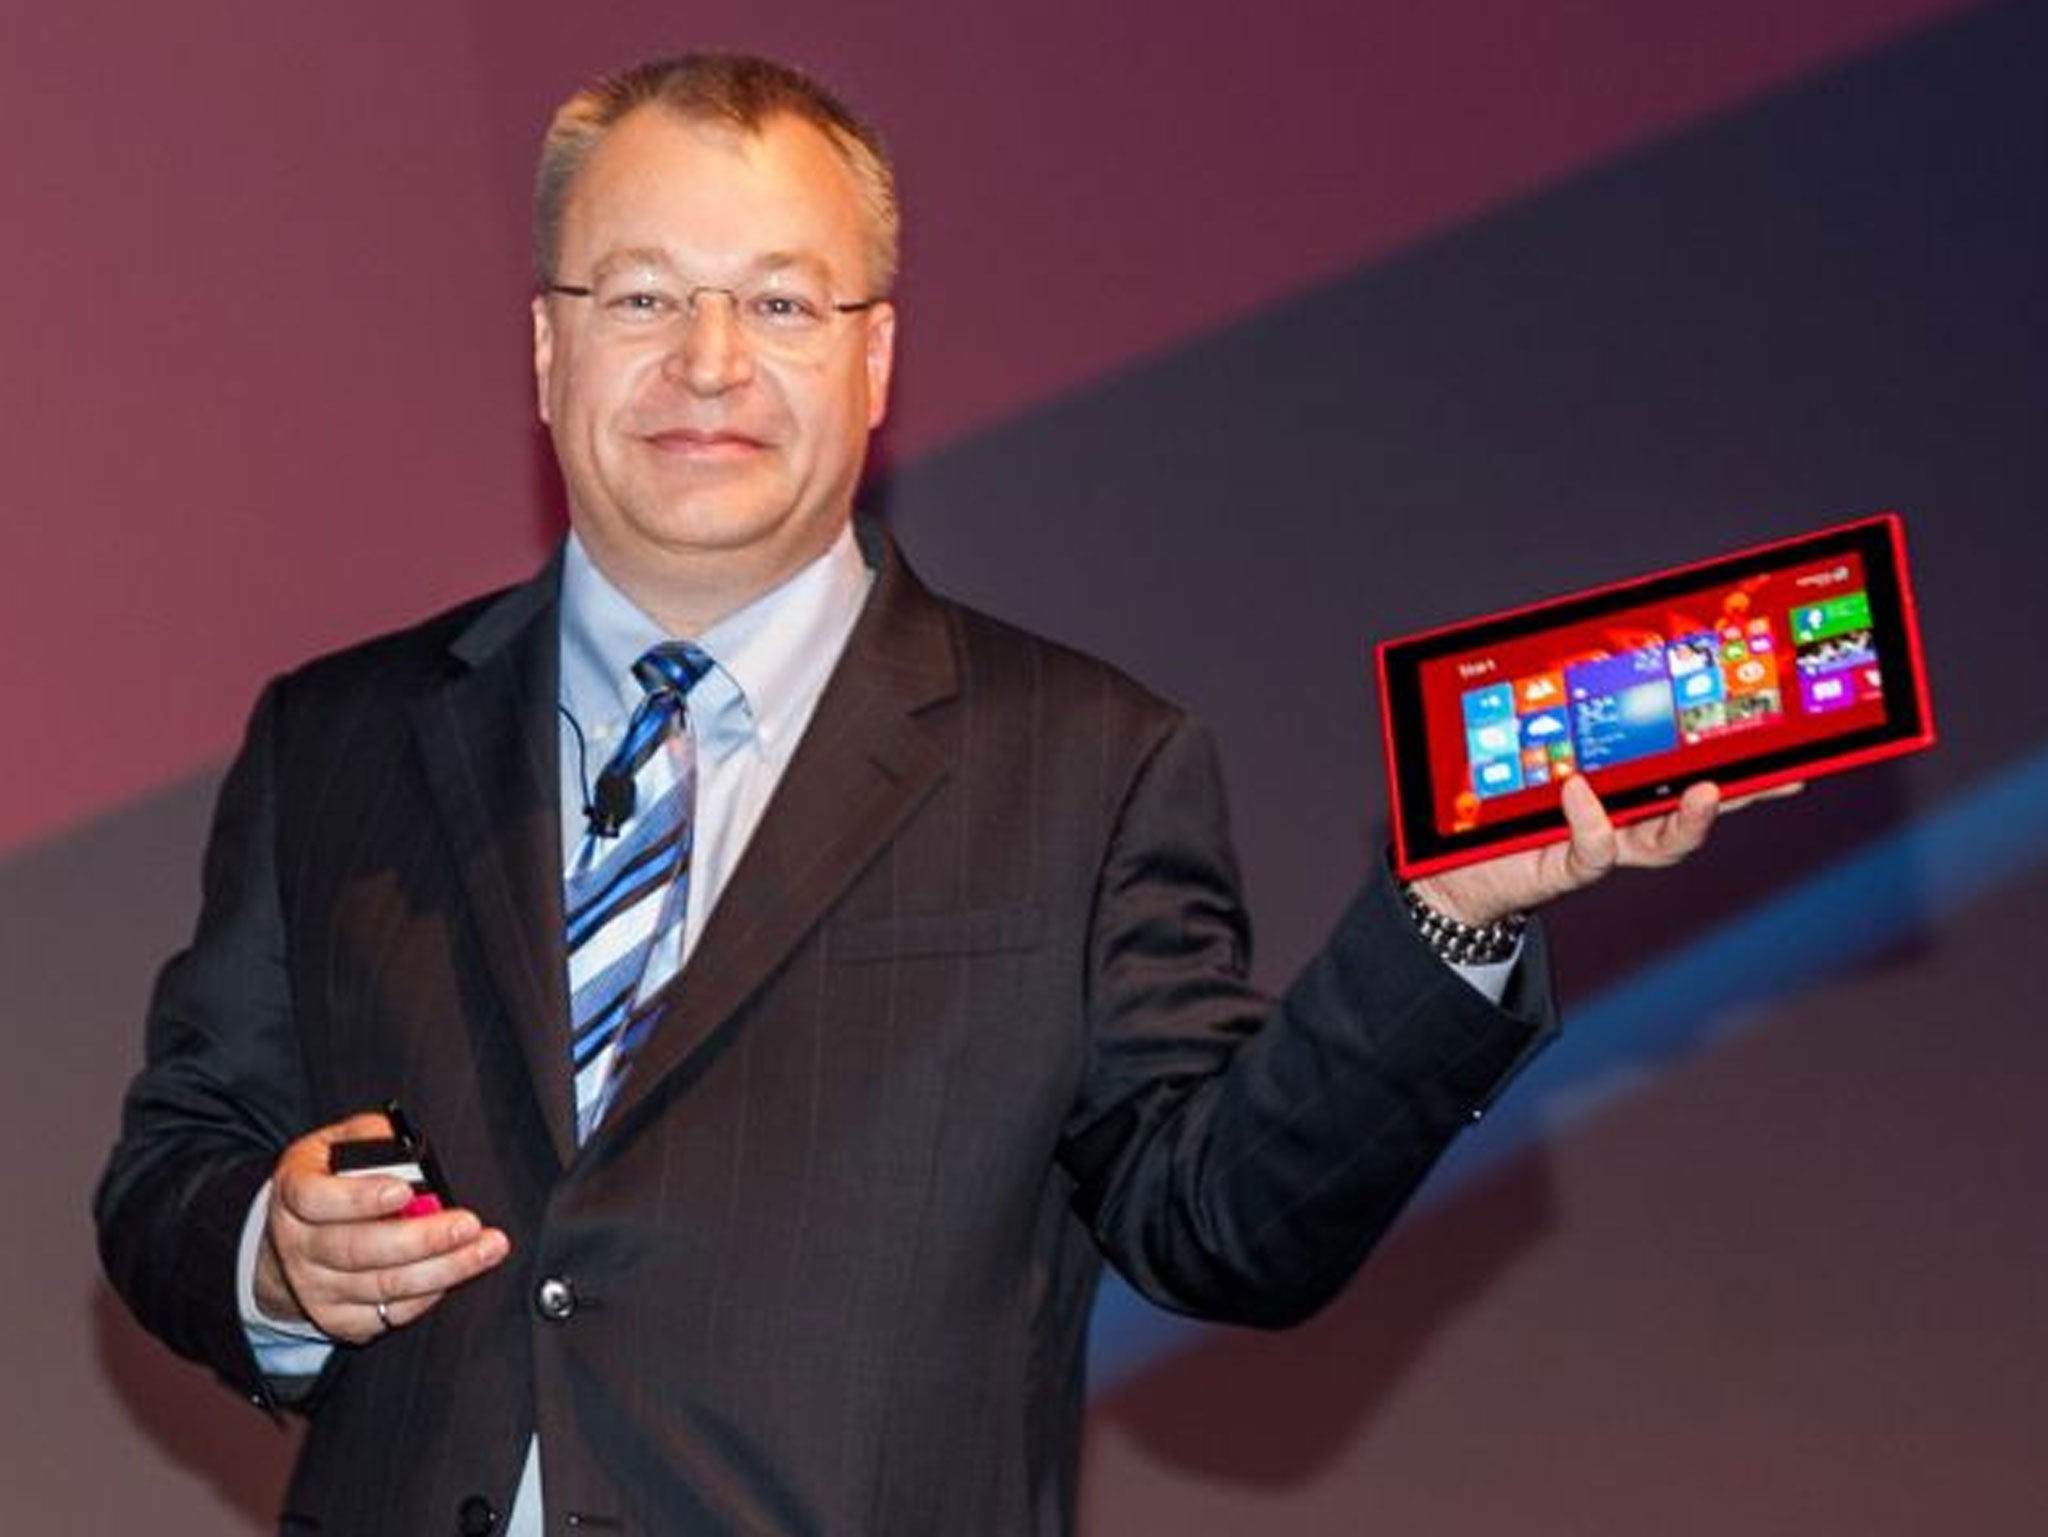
(832, 306)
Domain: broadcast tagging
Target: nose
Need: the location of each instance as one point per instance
(711, 354)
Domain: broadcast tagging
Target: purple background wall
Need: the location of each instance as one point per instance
(1304, 325)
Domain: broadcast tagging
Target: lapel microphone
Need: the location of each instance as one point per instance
(606, 812)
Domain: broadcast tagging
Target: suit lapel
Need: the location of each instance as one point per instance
(488, 740)
(866, 761)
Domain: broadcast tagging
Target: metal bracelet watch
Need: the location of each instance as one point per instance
(1464, 944)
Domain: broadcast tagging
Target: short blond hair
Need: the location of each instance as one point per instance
(737, 88)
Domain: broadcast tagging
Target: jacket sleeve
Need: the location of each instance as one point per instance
(1237, 1156)
(221, 1091)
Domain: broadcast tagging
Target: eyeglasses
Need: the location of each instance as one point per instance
(783, 313)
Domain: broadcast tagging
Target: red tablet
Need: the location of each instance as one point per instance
(1780, 663)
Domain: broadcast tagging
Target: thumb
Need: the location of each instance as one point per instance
(1595, 847)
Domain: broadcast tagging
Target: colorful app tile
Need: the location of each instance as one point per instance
(1489, 706)
(1703, 721)
(1703, 685)
(1757, 709)
(1833, 616)
(1696, 683)
(1822, 692)
(1496, 776)
(1492, 741)
(1838, 653)
(1545, 727)
(1622, 708)
(1540, 691)
(1690, 654)
(1752, 675)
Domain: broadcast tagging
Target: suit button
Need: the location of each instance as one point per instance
(475, 1517)
(554, 1299)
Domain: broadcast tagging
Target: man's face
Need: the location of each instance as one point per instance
(706, 461)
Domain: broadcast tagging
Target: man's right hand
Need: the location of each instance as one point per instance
(333, 1248)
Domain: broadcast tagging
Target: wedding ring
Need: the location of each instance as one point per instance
(383, 1315)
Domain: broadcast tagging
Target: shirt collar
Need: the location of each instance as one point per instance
(772, 657)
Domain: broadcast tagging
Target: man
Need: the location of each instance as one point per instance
(784, 1212)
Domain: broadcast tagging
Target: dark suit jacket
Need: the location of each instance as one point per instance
(971, 1013)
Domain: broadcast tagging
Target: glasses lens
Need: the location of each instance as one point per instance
(783, 313)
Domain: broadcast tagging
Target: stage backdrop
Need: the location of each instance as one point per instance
(1234, 338)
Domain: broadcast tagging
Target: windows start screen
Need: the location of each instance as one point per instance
(1673, 692)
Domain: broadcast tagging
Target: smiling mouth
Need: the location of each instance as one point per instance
(702, 442)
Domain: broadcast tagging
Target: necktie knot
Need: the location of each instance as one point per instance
(667, 672)
(672, 667)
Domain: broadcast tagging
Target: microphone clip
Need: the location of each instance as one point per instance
(611, 806)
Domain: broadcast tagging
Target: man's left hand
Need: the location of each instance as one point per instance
(1515, 883)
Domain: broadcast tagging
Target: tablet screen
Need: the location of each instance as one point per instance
(1779, 663)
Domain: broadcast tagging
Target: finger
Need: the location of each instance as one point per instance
(356, 1128)
(1686, 828)
(1594, 846)
(354, 1322)
(407, 1290)
(309, 1192)
(383, 1244)
(385, 1317)
(344, 1301)
(1775, 793)
(1669, 838)
(317, 1198)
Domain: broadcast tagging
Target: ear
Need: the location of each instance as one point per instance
(881, 360)
(543, 355)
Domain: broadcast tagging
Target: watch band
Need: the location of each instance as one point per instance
(1464, 944)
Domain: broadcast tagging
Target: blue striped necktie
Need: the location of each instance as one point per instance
(626, 899)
